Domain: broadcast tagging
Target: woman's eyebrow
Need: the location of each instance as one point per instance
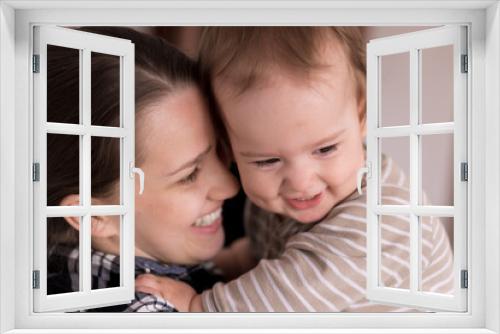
(192, 162)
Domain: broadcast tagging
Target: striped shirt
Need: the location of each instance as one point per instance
(321, 267)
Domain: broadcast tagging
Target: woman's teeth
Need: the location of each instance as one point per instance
(208, 219)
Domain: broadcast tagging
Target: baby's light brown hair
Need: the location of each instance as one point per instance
(242, 56)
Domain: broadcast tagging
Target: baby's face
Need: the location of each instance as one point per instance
(298, 144)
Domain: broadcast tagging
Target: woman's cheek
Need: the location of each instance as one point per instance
(191, 204)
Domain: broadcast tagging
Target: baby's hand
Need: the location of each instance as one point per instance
(175, 292)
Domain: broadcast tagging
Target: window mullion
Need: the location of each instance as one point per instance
(127, 112)
(414, 169)
(85, 235)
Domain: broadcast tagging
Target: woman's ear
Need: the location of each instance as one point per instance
(105, 226)
(102, 226)
(72, 200)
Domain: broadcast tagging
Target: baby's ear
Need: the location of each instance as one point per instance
(72, 200)
(362, 125)
(362, 115)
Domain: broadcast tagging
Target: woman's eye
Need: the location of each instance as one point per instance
(267, 162)
(191, 177)
(327, 149)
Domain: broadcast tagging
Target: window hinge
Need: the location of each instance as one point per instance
(36, 172)
(36, 63)
(36, 279)
(465, 64)
(464, 171)
(464, 281)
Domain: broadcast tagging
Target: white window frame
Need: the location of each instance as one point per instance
(85, 43)
(16, 21)
(412, 44)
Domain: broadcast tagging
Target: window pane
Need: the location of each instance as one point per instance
(394, 251)
(395, 89)
(63, 168)
(105, 90)
(436, 254)
(395, 155)
(437, 84)
(106, 263)
(105, 167)
(437, 170)
(62, 255)
(63, 82)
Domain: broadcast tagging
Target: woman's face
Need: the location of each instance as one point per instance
(178, 217)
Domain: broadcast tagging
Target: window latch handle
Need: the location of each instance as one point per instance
(359, 178)
(140, 172)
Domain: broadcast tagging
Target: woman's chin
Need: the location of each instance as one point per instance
(206, 251)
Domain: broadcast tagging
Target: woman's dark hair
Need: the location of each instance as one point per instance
(159, 69)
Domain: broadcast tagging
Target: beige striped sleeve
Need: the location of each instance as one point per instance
(323, 269)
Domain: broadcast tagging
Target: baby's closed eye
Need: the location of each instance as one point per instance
(266, 162)
(325, 150)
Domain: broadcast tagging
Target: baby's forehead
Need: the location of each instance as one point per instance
(287, 99)
(335, 75)
(329, 62)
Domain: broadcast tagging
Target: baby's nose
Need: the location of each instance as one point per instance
(299, 180)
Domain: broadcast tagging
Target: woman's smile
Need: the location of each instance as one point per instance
(209, 223)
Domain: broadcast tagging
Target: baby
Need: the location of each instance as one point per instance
(292, 101)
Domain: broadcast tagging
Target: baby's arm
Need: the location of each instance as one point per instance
(321, 270)
(233, 261)
(180, 294)
(318, 272)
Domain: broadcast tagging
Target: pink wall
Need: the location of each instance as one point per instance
(437, 106)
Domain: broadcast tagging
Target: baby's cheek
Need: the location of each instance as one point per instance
(337, 180)
(258, 185)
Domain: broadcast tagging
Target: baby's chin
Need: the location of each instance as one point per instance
(301, 216)
(305, 216)
(308, 219)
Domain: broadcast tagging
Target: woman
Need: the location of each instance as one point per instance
(178, 217)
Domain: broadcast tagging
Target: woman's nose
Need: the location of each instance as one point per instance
(224, 185)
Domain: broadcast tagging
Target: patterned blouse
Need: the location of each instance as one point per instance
(63, 276)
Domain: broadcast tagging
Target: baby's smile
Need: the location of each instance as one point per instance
(305, 202)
